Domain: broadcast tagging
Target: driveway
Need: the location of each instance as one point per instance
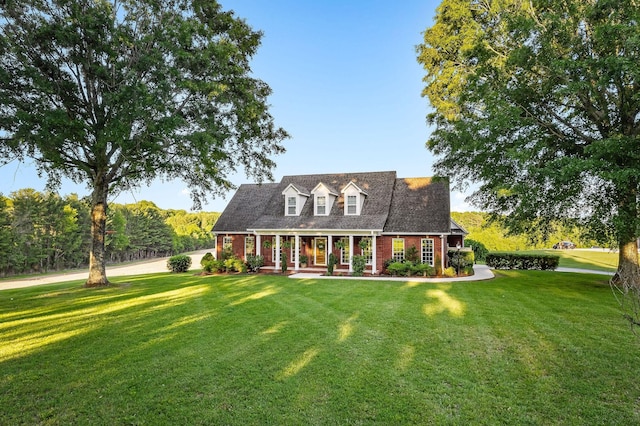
(144, 267)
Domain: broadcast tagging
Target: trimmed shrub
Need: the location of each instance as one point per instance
(359, 265)
(425, 270)
(523, 261)
(398, 269)
(449, 272)
(179, 263)
(461, 259)
(208, 257)
(255, 262)
(333, 261)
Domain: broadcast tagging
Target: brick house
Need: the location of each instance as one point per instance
(373, 214)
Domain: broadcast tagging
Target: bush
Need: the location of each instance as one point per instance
(359, 265)
(213, 266)
(179, 263)
(449, 272)
(398, 269)
(283, 262)
(333, 261)
(208, 257)
(479, 250)
(254, 263)
(461, 259)
(523, 261)
(425, 270)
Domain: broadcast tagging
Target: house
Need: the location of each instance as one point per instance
(374, 214)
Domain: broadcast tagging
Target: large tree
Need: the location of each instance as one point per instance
(118, 93)
(537, 102)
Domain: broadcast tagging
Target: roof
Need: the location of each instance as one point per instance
(408, 205)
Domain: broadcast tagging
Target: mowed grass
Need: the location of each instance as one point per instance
(598, 260)
(525, 348)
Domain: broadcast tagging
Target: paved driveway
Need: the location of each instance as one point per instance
(145, 267)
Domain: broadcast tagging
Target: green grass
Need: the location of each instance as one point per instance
(599, 260)
(525, 348)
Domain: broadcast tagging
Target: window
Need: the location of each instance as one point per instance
(427, 251)
(366, 249)
(227, 244)
(291, 206)
(344, 251)
(249, 246)
(352, 204)
(321, 206)
(398, 249)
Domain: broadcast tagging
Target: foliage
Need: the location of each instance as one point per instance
(397, 268)
(254, 262)
(208, 257)
(304, 259)
(117, 94)
(179, 263)
(213, 266)
(522, 261)
(461, 260)
(359, 264)
(412, 254)
(449, 272)
(283, 262)
(479, 250)
(234, 264)
(424, 269)
(331, 264)
(537, 103)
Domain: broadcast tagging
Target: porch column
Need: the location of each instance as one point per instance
(350, 253)
(296, 247)
(277, 259)
(258, 245)
(373, 254)
(329, 247)
(443, 253)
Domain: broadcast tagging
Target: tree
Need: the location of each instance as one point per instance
(538, 102)
(115, 94)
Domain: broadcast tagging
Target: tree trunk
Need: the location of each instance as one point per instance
(97, 260)
(628, 270)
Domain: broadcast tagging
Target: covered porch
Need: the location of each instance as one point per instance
(311, 251)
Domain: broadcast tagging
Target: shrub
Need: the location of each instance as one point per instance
(449, 272)
(412, 255)
(480, 251)
(425, 269)
(398, 269)
(283, 262)
(333, 261)
(522, 261)
(359, 265)
(179, 263)
(254, 263)
(461, 259)
(213, 266)
(208, 257)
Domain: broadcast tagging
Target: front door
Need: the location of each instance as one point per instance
(320, 251)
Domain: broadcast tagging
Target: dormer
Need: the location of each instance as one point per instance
(294, 199)
(354, 198)
(323, 198)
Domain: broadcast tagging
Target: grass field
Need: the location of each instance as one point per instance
(525, 348)
(599, 260)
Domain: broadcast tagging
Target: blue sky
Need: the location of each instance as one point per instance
(346, 86)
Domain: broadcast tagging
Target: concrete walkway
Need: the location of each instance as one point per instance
(481, 273)
(137, 268)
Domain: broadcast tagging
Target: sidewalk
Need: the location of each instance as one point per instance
(481, 273)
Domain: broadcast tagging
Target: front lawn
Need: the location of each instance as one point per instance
(599, 260)
(525, 348)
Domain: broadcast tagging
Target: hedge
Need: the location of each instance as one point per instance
(545, 262)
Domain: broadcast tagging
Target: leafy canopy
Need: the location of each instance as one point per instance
(117, 93)
(538, 103)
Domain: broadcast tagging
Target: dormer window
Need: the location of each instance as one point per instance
(294, 200)
(323, 199)
(353, 199)
(352, 204)
(321, 205)
(291, 206)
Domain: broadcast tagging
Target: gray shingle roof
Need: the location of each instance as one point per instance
(391, 205)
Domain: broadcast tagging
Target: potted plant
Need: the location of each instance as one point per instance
(303, 261)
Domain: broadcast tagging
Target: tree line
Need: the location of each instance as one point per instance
(495, 235)
(42, 232)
